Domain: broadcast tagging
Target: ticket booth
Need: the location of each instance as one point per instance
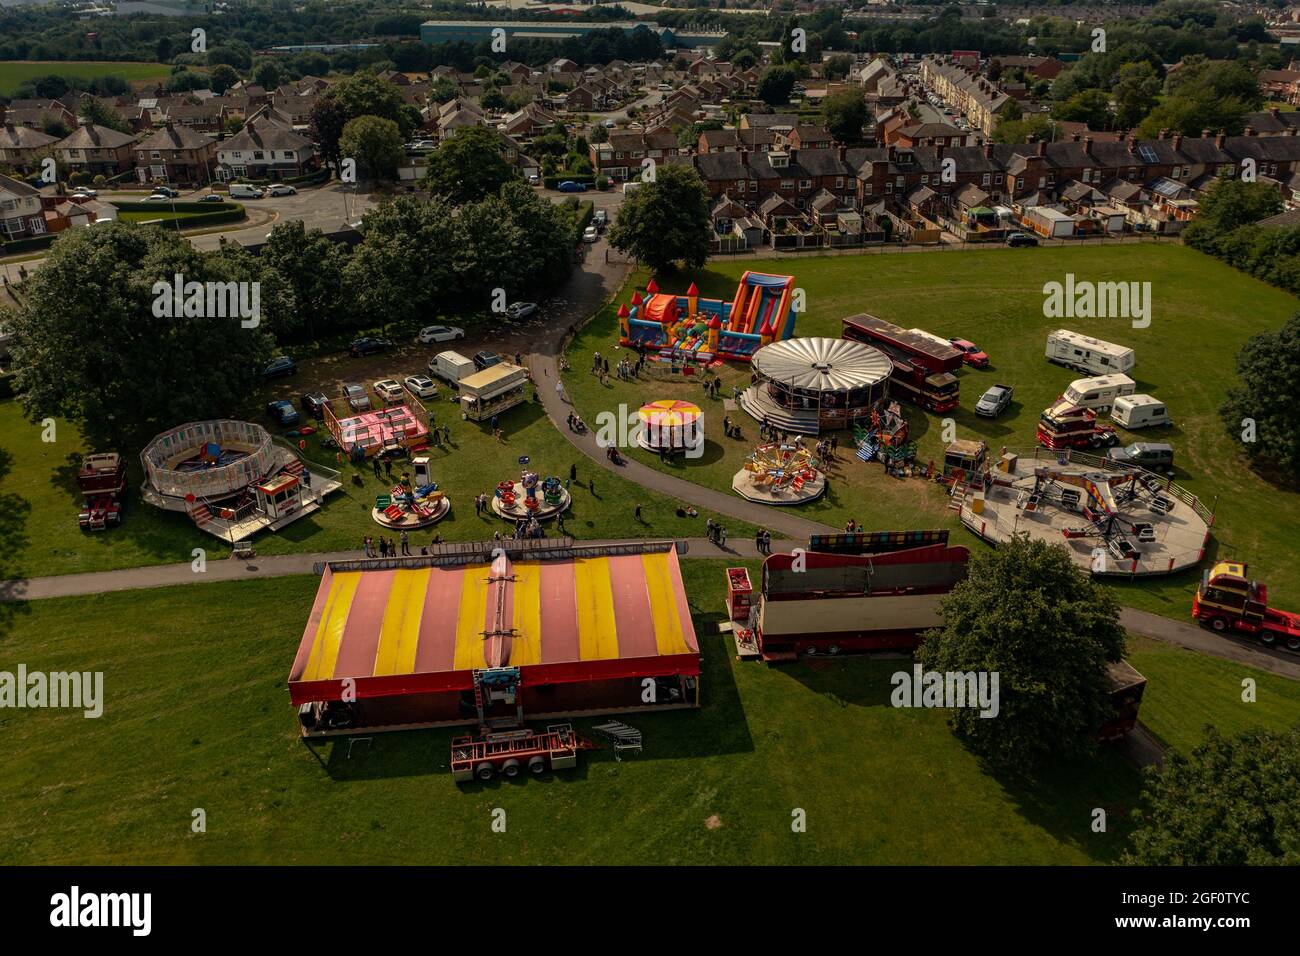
(279, 496)
(740, 594)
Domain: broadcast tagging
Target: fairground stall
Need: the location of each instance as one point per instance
(541, 629)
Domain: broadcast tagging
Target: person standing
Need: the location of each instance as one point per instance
(637, 513)
(406, 545)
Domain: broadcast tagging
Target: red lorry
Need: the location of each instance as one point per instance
(102, 480)
(1065, 425)
(923, 366)
(1228, 600)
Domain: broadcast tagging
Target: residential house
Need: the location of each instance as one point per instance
(265, 150)
(96, 150)
(21, 216)
(20, 146)
(176, 154)
(625, 153)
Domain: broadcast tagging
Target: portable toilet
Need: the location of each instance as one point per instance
(1139, 411)
(423, 475)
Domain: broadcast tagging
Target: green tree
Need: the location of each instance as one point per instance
(666, 220)
(375, 144)
(268, 75)
(1230, 203)
(776, 85)
(1136, 94)
(90, 345)
(844, 114)
(1090, 106)
(364, 94)
(222, 78)
(313, 266)
(101, 114)
(1028, 613)
(327, 119)
(1019, 131)
(837, 67)
(468, 166)
(1260, 410)
(1204, 94)
(1231, 802)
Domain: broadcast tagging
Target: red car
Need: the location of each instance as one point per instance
(970, 353)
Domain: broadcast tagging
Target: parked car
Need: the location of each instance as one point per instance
(970, 353)
(281, 189)
(590, 234)
(368, 345)
(485, 359)
(534, 180)
(244, 191)
(166, 191)
(158, 197)
(389, 390)
(600, 219)
(995, 401)
(1016, 239)
(609, 124)
(569, 186)
(357, 398)
(421, 386)
(439, 333)
(315, 403)
(520, 310)
(84, 192)
(282, 412)
(1153, 456)
(212, 197)
(280, 365)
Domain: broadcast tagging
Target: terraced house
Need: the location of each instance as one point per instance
(977, 98)
(176, 154)
(622, 156)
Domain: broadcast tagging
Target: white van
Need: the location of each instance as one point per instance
(1087, 354)
(1139, 411)
(244, 191)
(1099, 393)
(451, 367)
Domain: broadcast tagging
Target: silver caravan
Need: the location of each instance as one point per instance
(1139, 411)
(1086, 354)
(1099, 393)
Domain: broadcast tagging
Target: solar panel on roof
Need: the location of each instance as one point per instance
(1148, 153)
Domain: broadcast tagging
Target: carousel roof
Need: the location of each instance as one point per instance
(822, 364)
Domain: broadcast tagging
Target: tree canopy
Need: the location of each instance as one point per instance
(1267, 393)
(468, 166)
(665, 220)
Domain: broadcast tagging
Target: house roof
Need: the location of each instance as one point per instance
(90, 136)
(175, 137)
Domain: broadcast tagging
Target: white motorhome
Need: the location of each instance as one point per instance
(492, 391)
(450, 367)
(1139, 411)
(1087, 354)
(1099, 393)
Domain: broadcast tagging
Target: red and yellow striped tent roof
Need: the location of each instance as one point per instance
(669, 413)
(425, 630)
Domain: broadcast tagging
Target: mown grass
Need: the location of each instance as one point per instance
(13, 73)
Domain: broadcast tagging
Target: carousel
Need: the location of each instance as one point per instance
(780, 474)
(413, 502)
(530, 497)
(670, 425)
(811, 385)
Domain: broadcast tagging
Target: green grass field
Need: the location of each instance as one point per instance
(197, 715)
(1203, 311)
(14, 73)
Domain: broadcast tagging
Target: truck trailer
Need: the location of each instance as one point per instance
(922, 364)
(1227, 600)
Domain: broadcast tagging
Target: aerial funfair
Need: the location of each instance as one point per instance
(670, 425)
(807, 385)
(1115, 520)
(690, 329)
(493, 635)
(780, 474)
(231, 478)
(531, 497)
(415, 501)
(882, 437)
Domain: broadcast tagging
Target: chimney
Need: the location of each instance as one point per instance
(1132, 141)
(744, 156)
(1178, 141)
(1205, 134)
(988, 150)
(1042, 147)
(1220, 140)
(1074, 137)
(938, 151)
(843, 153)
(1274, 112)
(1087, 145)
(1163, 133)
(892, 154)
(1249, 131)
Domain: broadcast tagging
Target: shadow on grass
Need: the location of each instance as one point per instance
(14, 511)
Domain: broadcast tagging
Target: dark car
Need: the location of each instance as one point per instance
(166, 191)
(485, 359)
(315, 404)
(369, 346)
(280, 365)
(211, 197)
(569, 186)
(1153, 456)
(1017, 239)
(282, 412)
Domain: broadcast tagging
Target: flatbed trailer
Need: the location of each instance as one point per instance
(510, 752)
(1228, 601)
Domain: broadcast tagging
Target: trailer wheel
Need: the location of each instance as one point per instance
(537, 764)
(485, 771)
(510, 768)
(1219, 624)
(1267, 638)
(833, 649)
(1293, 643)
(811, 651)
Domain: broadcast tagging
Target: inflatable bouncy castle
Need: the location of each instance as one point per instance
(689, 328)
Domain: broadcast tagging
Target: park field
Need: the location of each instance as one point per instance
(197, 716)
(14, 73)
(1202, 313)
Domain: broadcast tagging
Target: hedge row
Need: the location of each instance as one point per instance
(203, 219)
(16, 246)
(128, 205)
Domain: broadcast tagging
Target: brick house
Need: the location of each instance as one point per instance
(176, 154)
